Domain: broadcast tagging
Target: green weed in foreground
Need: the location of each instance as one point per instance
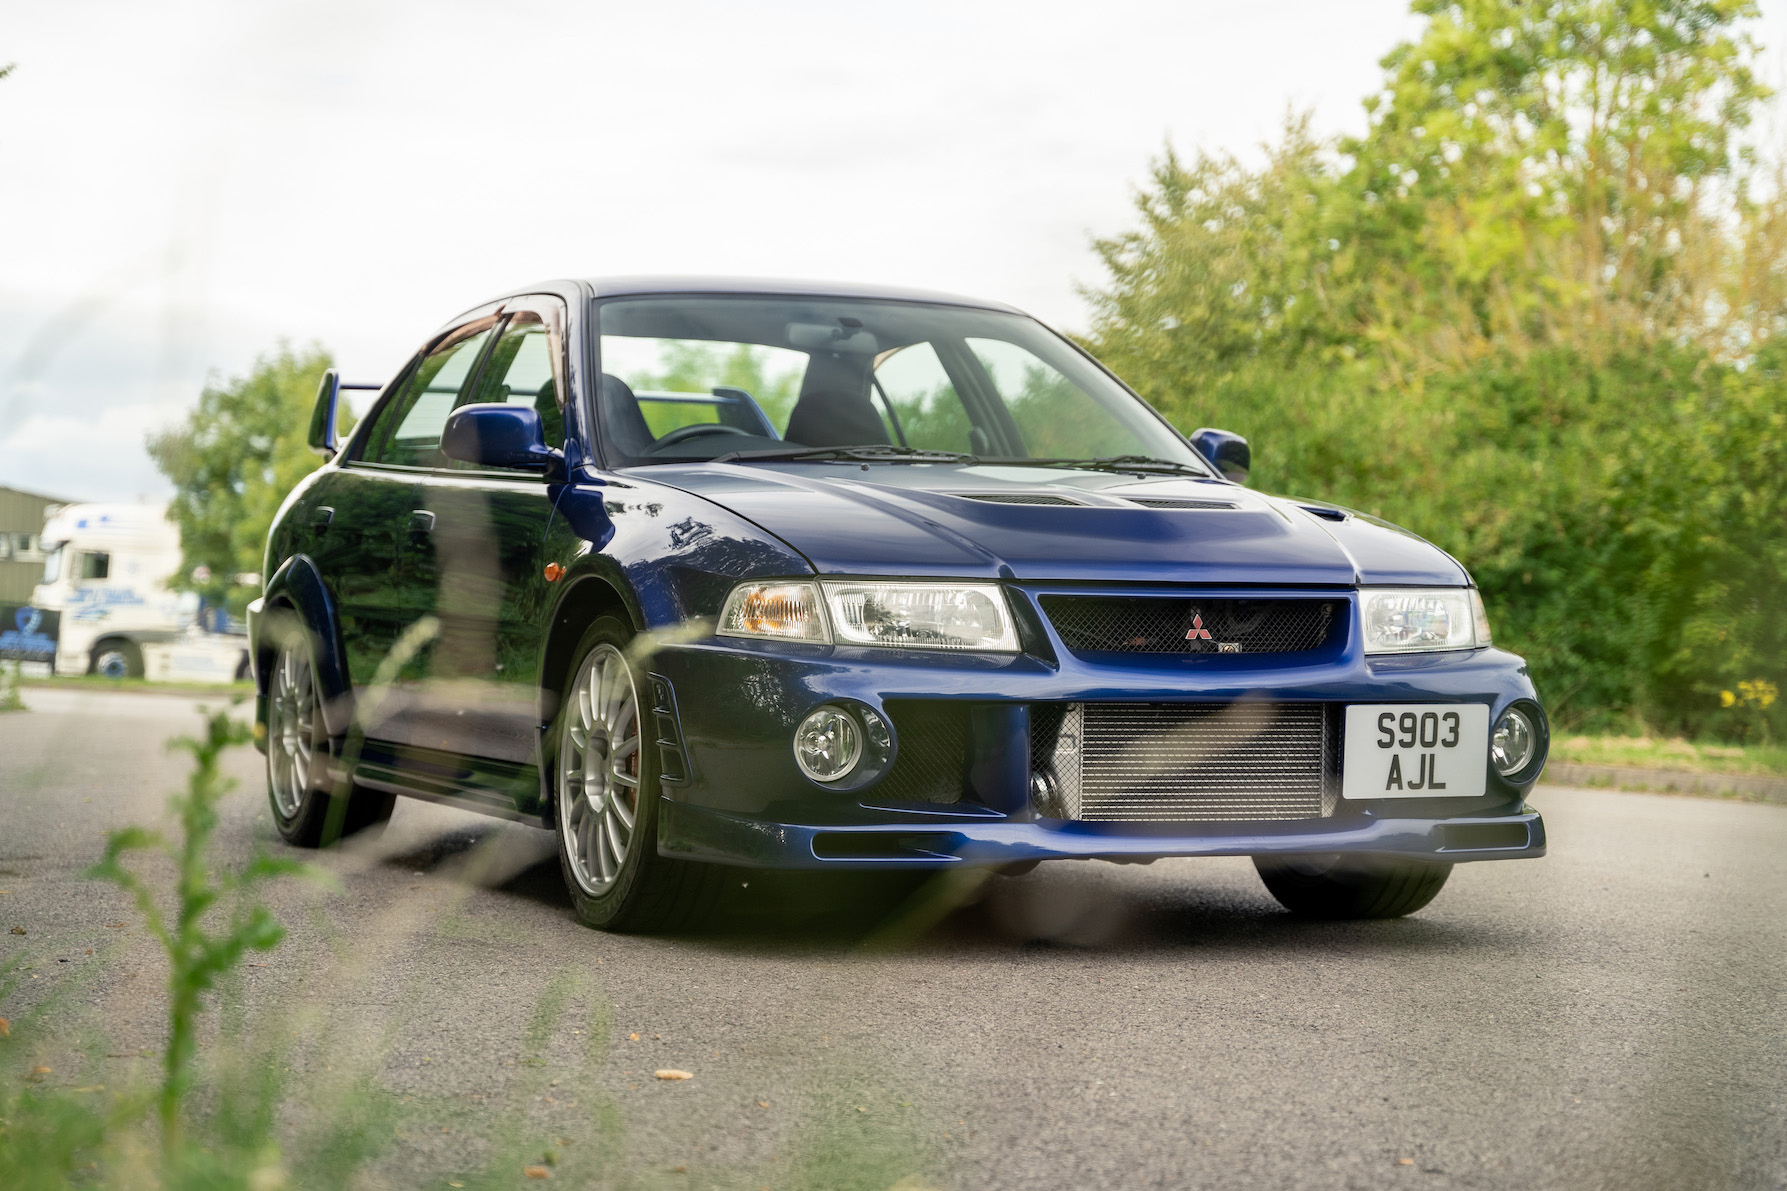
(59, 1137)
(288, 1095)
(197, 956)
(10, 699)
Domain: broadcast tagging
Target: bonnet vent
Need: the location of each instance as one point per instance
(1018, 498)
(1174, 502)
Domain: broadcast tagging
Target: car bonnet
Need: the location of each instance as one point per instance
(1047, 524)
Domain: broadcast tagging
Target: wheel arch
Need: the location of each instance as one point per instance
(297, 589)
(585, 600)
(126, 641)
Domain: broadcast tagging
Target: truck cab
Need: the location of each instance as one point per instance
(107, 569)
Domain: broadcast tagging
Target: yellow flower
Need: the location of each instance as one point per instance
(1726, 698)
(1759, 691)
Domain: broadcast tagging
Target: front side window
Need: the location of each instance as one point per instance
(919, 402)
(95, 564)
(687, 378)
(523, 369)
(1054, 416)
(408, 430)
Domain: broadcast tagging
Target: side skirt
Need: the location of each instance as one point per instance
(501, 788)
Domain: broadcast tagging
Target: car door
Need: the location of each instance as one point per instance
(480, 572)
(368, 528)
(349, 522)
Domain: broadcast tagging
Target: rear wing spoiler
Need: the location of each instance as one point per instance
(324, 438)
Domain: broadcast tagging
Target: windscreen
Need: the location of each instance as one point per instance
(693, 378)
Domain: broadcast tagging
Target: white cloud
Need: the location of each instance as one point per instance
(185, 182)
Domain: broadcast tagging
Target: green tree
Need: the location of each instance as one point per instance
(1531, 313)
(232, 462)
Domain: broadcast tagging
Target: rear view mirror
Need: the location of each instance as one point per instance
(322, 418)
(833, 338)
(507, 436)
(1228, 451)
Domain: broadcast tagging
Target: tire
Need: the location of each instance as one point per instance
(1341, 887)
(612, 869)
(307, 809)
(116, 657)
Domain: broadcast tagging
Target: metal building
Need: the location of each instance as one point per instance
(21, 558)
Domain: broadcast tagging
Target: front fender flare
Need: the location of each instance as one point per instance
(298, 587)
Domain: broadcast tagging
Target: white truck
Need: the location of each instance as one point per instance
(106, 575)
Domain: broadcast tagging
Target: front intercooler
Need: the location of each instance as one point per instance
(1184, 762)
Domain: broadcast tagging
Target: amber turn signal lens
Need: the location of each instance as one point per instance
(553, 571)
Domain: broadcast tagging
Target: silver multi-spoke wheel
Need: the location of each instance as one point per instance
(598, 769)
(291, 729)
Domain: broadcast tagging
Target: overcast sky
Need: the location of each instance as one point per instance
(182, 185)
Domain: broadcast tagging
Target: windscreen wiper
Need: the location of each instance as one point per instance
(867, 454)
(1135, 463)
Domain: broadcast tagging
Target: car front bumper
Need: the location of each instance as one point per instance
(699, 833)
(731, 707)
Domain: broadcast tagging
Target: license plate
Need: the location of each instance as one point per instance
(1416, 750)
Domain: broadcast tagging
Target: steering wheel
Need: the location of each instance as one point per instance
(684, 433)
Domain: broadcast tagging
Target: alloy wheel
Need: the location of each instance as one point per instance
(598, 802)
(291, 729)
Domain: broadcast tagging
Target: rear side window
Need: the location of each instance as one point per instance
(408, 431)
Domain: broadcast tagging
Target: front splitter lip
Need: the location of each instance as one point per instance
(691, 832)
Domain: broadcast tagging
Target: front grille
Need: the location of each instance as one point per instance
(932, 765)
(1150, 624)
(1183, 762)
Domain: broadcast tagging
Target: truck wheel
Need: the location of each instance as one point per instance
(606, 804)
(1337, 886)
(306, 808)
(116, 657)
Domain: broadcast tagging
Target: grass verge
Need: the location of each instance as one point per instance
(99, 682)
(1683, 756)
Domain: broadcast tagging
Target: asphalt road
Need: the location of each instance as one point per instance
(1614, 1015)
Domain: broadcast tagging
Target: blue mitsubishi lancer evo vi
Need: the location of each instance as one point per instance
(704, 574)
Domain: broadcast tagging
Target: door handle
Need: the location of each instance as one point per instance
(421, 522)
(322, 519)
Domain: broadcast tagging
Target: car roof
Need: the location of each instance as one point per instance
(615, 287)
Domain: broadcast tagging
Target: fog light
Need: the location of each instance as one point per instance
(1512, 745)
(828, 744)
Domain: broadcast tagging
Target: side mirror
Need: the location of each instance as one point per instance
(508, 436)
(323, 418)
(1227, 451)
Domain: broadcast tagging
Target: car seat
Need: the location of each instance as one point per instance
(834, 409)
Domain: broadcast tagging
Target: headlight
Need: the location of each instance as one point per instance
(1408, 619)
(787, 611)
(1480, 616)
(921, 615)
